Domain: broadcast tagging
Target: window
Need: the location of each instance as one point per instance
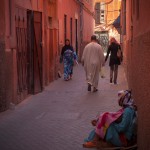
(137, 9)
(76, 35)
(133, 5)
(71, 30)
(102, 12)
(50, 22)
(99, 12)
(65, 27)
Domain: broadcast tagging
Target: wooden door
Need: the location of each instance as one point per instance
(21, 53)
(35, 51)
(37, 34)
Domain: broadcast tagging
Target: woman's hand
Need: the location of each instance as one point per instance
(94, 122)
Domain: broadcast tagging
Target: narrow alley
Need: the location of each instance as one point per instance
(39, 110)
(59, 117)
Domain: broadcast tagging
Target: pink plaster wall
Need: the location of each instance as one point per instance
(88, 24)
(88, 27)
(24, 3)
(136, 46)
(72, 9)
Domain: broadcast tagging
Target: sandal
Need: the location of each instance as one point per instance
(95, 90)
(89, 145)
(89, 87)
(66, 79)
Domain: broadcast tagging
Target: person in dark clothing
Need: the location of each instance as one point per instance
(68, 56)
(114, 59)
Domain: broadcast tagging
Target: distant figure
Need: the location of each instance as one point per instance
(114, 59)
(92, 60)
(68, 56)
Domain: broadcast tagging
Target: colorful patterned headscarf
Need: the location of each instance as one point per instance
(125, 98)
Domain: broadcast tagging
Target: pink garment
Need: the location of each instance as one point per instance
(105, 120)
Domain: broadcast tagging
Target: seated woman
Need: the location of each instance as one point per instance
(115, 128)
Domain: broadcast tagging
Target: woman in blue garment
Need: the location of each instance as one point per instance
(68, 56)
(119, 132)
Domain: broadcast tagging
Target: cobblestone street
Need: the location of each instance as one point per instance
(59, 117)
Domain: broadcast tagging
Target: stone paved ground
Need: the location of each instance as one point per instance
(59, 117)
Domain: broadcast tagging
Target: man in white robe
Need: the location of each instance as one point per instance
(92, 60)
